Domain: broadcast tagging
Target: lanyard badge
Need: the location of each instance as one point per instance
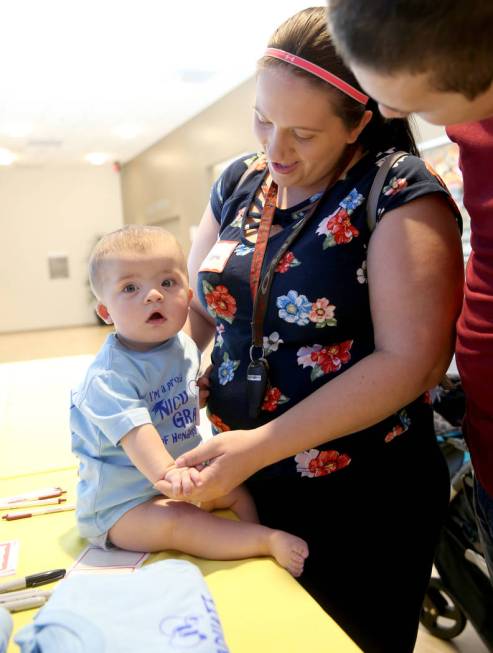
(257, 381)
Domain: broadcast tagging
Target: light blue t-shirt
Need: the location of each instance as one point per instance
(5, 629)
(164, 607)
(124, 389)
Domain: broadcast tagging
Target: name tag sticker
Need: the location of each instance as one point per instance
(216, 259)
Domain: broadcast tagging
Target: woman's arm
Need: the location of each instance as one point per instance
(200, 325)
(415, 274)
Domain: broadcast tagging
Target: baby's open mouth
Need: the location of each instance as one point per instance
(155, 317)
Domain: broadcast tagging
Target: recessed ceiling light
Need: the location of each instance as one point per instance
(18, 129)
(97, 158)
(195, 75)
(7, 157)
(127, 132)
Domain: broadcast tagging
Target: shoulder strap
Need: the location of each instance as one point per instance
(251, 168)
(377, 186)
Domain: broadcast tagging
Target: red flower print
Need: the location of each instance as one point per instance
(221, 302)
(315, 463)
(341, 228)
(327, 462)
(427, 398)
(218, 423)
(271, 399)
(285, 262)
(397, 430)
(330, 358)
(395, 185)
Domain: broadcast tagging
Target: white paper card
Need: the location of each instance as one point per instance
(9, 554)
(94, 560)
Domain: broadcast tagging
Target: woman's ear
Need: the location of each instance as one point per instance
(356, 131)
(102, 311)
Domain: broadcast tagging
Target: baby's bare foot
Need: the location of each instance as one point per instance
(289, 551)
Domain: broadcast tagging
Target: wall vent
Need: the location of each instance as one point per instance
(58, 266)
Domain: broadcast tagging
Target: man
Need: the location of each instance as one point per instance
(435, 58)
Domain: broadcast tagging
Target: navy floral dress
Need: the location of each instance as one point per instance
(351, 497)
(318, 323)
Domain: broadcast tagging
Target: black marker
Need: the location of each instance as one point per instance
(34, 580)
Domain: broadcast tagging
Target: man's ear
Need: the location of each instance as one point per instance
(102, 311)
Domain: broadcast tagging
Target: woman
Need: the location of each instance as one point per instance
(338, 446)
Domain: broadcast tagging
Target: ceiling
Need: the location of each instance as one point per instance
(115, 76)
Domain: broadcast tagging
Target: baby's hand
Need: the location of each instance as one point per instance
(179, 482)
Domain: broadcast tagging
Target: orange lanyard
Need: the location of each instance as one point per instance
(263, 238)
(260, 288)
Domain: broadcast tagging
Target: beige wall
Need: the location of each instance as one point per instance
(173, 178)
(169, 183)
(51, 210)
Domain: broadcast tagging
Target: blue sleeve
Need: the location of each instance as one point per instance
(409, 178)
(227, 182)
(113, 405)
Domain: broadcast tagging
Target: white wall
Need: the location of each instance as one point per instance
(423, 131)
(46, 210)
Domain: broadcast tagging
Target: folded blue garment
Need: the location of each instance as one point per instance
(5, 629)
(165, 606)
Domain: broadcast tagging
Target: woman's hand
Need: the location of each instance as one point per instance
(224, 462)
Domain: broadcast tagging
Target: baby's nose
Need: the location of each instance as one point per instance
(154, 295)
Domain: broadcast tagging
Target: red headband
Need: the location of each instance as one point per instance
(318, 72)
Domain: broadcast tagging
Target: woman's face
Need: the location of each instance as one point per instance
(298, 129)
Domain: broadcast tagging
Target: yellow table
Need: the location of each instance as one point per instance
(262, 608)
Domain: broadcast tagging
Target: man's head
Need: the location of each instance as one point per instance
(430, 57)
(139, 277)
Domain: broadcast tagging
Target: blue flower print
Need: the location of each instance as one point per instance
(352, 201)
(243, 250)
(295, 308)
(226, 372)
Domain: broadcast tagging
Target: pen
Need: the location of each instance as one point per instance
(31, 502)
(25, 604)
(8, 597)
(42, 493)
(10, 516)
(34, 580)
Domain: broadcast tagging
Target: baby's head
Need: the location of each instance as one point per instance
(139, 277)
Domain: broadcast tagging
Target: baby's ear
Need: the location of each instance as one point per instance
(102, 311)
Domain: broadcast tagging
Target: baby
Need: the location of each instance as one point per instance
(136, 411)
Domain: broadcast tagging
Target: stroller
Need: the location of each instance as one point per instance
(464, 590)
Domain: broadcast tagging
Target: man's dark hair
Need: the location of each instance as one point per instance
(450, 39)
(306, 35)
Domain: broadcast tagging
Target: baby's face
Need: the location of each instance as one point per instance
(146, 295)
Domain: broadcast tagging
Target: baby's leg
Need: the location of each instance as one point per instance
(239, 500)
(161, 524)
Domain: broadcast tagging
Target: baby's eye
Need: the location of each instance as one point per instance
(130, 287)
(168, 283)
